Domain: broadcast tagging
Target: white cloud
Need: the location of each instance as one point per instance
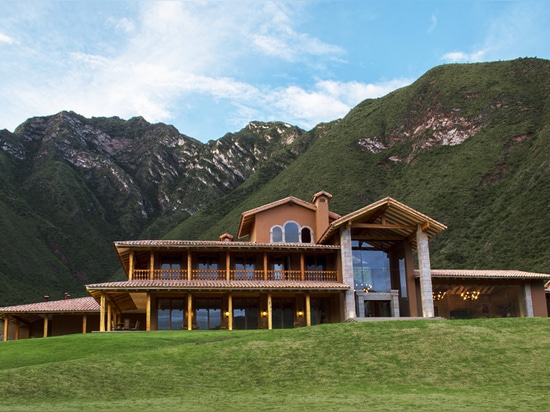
(462, 57)
(6, 39)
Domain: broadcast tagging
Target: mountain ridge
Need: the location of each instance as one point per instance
(465, 144)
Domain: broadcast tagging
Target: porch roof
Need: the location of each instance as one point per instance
(34, 311)
(485, 274)
(215, 285)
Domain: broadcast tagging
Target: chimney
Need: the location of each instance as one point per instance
(226, 237)
(46, 297)
(66, 296)
(320, 200)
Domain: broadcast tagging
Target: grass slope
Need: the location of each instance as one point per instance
(492, 364)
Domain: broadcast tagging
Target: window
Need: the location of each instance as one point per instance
(208, 267)
(276, 234)
(291, 232)
(244, 268)
(170, 314)
(371, 268)
(170, 268)
(208, 313)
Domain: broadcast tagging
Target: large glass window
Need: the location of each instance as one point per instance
(245, 313)
(170, 314)
(371, 268)
(283, 313)
(170, 268)
(208, 314)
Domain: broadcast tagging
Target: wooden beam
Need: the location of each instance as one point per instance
(265, 265)
(227, 265)
(151, 265)
(302, 267)
(84, 323)
(382, 226)
(379, 237)
(131, 265)
(189, 265)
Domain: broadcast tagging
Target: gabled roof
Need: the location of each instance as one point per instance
(248, 217)
(387, 218)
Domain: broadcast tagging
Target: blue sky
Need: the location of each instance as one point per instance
(210, 67)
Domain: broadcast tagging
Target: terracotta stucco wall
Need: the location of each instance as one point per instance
(279, 216)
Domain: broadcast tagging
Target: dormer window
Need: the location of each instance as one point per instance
(291, 232)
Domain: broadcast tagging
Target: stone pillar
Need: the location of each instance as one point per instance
(347, 272)
(423, 249)
(395, 312)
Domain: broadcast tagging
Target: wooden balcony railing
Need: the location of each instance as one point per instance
(241, 274)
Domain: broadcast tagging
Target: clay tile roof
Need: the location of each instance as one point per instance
(485, 274)
(216, 285)
(87, 304)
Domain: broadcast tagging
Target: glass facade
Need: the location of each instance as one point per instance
(468, 301)
(170, 314)
(371, 268)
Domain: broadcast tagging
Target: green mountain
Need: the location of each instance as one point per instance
(466, 144)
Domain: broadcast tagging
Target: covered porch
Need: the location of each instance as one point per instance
(209, 305)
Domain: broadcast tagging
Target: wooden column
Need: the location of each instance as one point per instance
(189, 311)
(148, 313)
(308, 310)
(45, 327)
(230, 310)
(269, 312)
(131, 265)
(84, 323)
(265, 265)
(227, 265)
(302, 267)
(152, 265)
(102, 312)
(109, 318)
(189, 266)
(6, 325)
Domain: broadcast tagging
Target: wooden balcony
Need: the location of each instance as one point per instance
(242, 274)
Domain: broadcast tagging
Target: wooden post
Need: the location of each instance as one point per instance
(152, 265)
(189, 266)
(45, 331)
(265, 265)
(84, 323)
(6, 325)
(308, 310)
(269, 312)
(148, 313)
(227, 265)
(302, 267)
(189, 311)
(131, 265)
(102, 312)
(230, 310)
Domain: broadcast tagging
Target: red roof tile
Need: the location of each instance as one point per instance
(484, 274)
(87, 304)
(218, 285)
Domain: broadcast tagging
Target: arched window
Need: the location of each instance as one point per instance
(292, 232)
(276, 234)
(306, 235)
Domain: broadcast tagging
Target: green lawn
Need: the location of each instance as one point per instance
(492, 364)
